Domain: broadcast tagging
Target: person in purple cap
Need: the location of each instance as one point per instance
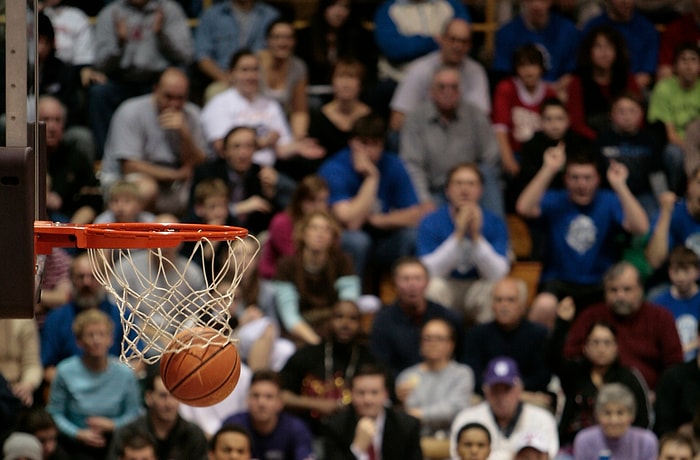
(503, 413)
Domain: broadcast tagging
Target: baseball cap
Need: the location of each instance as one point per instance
(22, 445)
(501, 369)
(533, 441)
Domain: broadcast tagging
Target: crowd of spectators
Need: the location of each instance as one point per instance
(374, 145)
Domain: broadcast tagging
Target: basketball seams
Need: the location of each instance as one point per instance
(206, 360)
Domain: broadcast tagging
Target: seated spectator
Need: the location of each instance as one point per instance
(21, 446)
(395, 335)
(93, 394)
(57, 78)
(641, 147)
(582, 377)
(275, 433)
(675, 101)
(230, 439)
(136, 40)
(372, 196)
(310, 281)
(226, 28)
(316, 379)
(255, 192)
(677, 33)
(243, 104)
(331, 123)
(683, 297)
(368, 427)
(334, 34)
(614, 411)
(414, 88)
(647, 336)
(311, 194)
(516, 105)
(284, 76)
(603, 73)
(20, 361)
(75, 188)
(75, 38)
(404, 32)
(555, 129)
(39, 423)
(677, 397)
(536, 24)
(124, 204)
(443, 131)
(211, 200)
(676, 446)
(58, 340)
(504, 414)
(579, 222)
(640, 36)
(175, 438)
(531, 446)
(437, 388)
(137, 446)
(678, 223)
(464, 246)
(155, 141)
(473, 442)
(511, 334)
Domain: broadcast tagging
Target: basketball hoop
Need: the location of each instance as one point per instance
(158, 294)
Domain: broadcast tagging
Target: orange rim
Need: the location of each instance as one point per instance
(132, 235)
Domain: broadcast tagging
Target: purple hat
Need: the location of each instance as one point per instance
(502, 369)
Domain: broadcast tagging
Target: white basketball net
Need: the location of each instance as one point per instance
(160, 295)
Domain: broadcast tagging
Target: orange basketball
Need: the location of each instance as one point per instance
(200, 375)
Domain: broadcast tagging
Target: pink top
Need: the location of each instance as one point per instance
(280, 242)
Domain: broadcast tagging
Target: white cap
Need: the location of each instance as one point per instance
(533, 441)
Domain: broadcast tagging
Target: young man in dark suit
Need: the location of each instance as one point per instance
(367, 429)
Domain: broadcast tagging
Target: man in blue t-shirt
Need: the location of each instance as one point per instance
(556, 36)
(373, 197)
(581, 222)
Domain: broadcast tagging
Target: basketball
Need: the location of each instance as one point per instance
(200, 367)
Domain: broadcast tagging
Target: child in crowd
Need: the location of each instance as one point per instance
(683, 297)
(473, 442)
(640, 147)
(615, 410)
(676, 446)
(555, 129)
(516, 105)
(676, 101)
(124, 204)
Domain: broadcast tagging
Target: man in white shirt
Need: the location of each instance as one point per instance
(504, 414)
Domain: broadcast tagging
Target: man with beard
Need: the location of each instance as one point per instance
(646, 333)
(57, 339)
(678, 223)
(175, 438)
(316, 379)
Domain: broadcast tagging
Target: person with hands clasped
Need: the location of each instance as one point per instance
(580, 223)
(464, 246)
